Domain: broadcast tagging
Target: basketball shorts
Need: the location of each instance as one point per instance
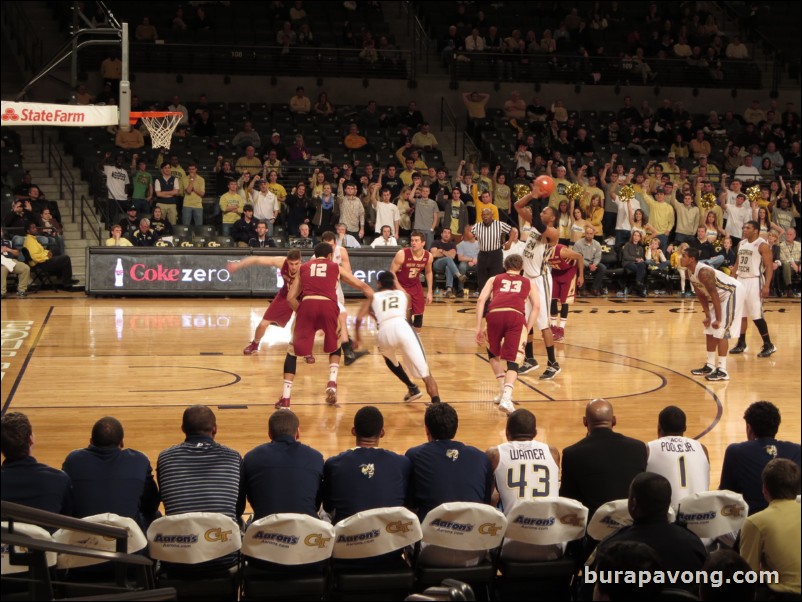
(314, 315)
(542, 284)
(563, 286)
(732, 308)
(418, 302)
(279, 311)
(753, 304)
(506, 335)
(397, 337)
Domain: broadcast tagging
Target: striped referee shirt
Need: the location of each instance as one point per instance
(489, 237)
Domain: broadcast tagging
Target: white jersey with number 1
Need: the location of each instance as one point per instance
(683, 462)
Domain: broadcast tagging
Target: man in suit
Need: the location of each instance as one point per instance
(600, 467)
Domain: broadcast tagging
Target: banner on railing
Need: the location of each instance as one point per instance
(37, 113)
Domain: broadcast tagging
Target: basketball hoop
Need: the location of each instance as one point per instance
(160, 124)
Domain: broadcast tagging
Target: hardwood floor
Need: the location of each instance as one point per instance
(69, 360)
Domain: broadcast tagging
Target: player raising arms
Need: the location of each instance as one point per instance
(540, 242)
(340, 257)
(726, 296)
(317, 310)
(390, 306)
(565, 265)
(407, 265)
(279, 311)
(507, 328)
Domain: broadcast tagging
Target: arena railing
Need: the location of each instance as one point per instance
(35, 549)
(55, 161)
(273, 61)
(602, 70)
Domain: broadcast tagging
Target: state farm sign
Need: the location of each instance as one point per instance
(33, 113)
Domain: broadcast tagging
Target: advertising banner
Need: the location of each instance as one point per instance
(35, 113)
(200, 272)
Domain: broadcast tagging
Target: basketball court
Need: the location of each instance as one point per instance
(71, 359)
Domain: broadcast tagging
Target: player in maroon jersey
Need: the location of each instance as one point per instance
(279, 311)
(565, 265)
(407, 265)
(313, 296)
(507, 327)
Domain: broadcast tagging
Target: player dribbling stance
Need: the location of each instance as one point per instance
(390, 306)
(507, 327)
(313, 296)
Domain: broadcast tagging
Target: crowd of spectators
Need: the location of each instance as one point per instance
(690, 179)
(603, 42)
(201, 474)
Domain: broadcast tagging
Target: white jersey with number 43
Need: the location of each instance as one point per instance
(389, 304)
(526, 470)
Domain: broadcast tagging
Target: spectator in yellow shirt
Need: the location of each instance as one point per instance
(231, 204)
(58, 265)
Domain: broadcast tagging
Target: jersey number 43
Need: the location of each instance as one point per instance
(539, 476)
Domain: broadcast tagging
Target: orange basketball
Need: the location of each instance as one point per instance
(545, 185)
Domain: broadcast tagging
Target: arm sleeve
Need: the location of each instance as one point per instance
(150, 500)
(597, 255)
(751, 544)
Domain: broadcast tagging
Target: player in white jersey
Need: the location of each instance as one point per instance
(683, 461)
(540, 242)
(755, 269)
(390, 306)
(722, 320)
(525, 469)
(340, 257)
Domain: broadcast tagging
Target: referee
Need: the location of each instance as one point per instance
(490, 234)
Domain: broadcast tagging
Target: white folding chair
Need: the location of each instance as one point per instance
(538, 530)
(136, 540)
(360, 542)
(289, 539)
(532, 555)
(193, 537)
(714, 516)
(457, 540)
(297, 547)
(612, 516)
(32, 531)
(376, 532)
(181, 541)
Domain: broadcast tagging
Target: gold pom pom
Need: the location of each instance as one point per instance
(627, 193)
(708, 201)
(574, 192)
(753, 194)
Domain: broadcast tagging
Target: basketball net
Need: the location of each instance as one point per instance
(161, 126)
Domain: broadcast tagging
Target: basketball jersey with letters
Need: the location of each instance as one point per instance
(750, 261)
(536, 255)
(526, 470)
(389, 304)
(683, 462)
